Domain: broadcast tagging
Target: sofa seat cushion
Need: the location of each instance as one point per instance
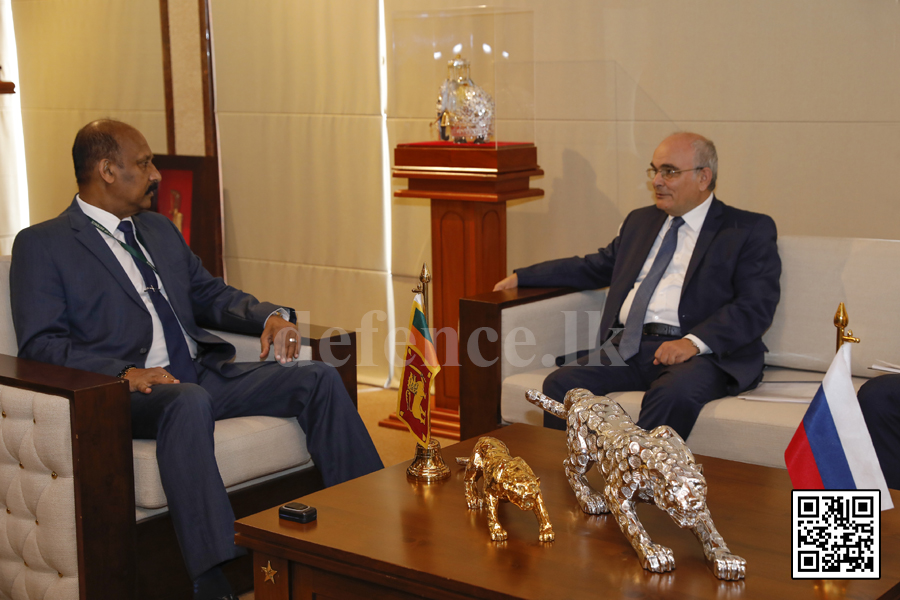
(246, 448)
(750, 431)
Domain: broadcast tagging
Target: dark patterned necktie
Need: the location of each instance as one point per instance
(634, 323)
(181, 366)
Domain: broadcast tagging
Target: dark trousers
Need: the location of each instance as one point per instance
(674, 394)
(181, 418)
(879, 399)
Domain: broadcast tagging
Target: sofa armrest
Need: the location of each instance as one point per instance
(100, 417)
(513, 331)
(331, 345)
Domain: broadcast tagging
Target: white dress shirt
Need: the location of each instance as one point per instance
(663, 307)
(158, 354)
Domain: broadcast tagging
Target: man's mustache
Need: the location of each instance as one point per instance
(151, 189)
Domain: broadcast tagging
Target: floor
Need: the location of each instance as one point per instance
(394, 446)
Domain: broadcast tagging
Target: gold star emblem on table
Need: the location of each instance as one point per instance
(269, 572)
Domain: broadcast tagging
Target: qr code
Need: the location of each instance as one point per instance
(837, 534)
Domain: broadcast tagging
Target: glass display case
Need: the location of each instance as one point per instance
(464, 75)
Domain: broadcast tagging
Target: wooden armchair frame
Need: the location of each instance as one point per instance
(117, 557)
(480, 387)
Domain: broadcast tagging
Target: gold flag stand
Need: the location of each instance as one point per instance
(428, 465)
(841, 320)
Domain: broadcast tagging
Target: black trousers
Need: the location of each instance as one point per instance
(181, 418)
(879, 399)
(674, 394)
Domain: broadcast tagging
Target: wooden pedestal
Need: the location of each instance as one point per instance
(469, 185)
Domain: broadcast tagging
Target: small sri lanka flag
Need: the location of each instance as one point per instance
(421, 365)
(832, 449)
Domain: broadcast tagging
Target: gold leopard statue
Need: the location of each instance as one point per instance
(639, 466)
(506, 479)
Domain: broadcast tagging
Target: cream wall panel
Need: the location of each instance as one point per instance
(761, 61)
(576, 90)
(297, 57)
(411, 225)
(80, 61)
(410, 217)
(303, 189)
(579, 159)
(343, 298)
(49, 135)
(90, 54)
(187, 77)
(300, 145)
(826, 179)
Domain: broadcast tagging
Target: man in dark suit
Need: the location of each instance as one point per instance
(693, 285)
(879, 399)
(109, 288)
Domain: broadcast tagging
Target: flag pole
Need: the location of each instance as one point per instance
(428, 465)
(841, 320)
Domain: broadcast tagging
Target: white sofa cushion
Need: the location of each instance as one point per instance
(817, 274)
(246, 448)
(751, 431)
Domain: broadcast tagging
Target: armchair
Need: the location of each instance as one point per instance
(82, 511)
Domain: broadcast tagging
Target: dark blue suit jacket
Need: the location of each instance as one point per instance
(730, 289)
(73, 304)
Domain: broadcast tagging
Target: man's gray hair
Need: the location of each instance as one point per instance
(705, 156)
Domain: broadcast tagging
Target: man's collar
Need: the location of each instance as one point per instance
(107, 219)
(694, 218)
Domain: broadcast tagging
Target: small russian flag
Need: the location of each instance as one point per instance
(832, 449)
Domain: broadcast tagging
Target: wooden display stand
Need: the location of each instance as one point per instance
(468, 185)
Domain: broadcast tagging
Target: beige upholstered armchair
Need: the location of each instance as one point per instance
(82, 510)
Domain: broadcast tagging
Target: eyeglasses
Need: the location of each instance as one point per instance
(667, 173)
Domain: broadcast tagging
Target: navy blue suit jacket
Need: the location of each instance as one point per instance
(73, 304)
(730, 289)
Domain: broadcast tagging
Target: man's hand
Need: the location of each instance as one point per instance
(141, 380)
(507, 284)
(287, 346)
(675, 352)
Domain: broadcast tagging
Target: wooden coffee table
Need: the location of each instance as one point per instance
(382, 536)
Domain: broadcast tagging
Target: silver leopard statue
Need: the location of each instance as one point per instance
(639, 466)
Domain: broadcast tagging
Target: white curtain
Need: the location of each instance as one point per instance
(13, 184)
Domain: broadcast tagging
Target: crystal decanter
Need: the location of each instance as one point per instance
(465, 111)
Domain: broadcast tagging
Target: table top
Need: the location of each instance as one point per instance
(423, 535)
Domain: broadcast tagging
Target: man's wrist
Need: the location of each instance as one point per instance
(698, 344)
(124, 372)
(281, 312)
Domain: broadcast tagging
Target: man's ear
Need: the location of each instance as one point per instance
(705, 178)
(105, 168)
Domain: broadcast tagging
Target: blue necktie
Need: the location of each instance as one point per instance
(634, 323)
(181, 366)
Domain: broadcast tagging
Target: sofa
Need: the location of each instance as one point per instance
(513, 337)
(82, 509)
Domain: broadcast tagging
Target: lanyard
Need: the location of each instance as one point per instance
(135, 252)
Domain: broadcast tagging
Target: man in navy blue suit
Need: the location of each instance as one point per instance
(693, 285)
(110, 288)
(879, 399)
